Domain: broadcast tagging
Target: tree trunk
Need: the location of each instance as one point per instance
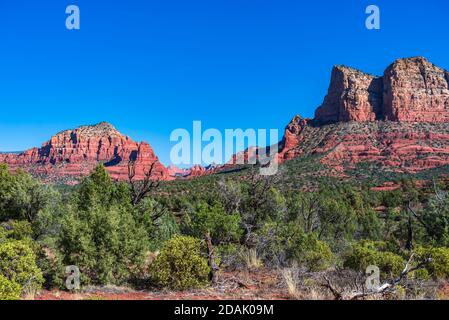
(211, 257)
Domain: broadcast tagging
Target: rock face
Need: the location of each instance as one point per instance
(399, 146)
(292, 138)
(399, 121)
(352, 96)
(176, 172)
(411, 90)
(415, 90)
(74, 153)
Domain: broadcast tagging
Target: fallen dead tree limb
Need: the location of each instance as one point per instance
(382, 290)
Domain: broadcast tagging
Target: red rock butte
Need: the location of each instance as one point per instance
(399, 120)
(74, 153)
(411, 90)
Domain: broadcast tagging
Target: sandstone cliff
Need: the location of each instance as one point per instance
(352, 96)
(399, 120)
(411, 90)
(416, 91)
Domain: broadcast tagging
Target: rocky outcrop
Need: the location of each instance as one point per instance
(176, 172)
(411, 90)
(416, 90)
(352, 96)
(407, 147)
(292, 138)
(74, 153)
(399, 121)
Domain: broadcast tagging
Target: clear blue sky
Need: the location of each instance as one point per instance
(152, 66)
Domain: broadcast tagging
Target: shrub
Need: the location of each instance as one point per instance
(105, 243)
(18, 264)
(307, 250)
(439, 264)
(159, 230)
(180, 265)
(229, 255)
(19, 229)
(21, 196)
(284, 244)
(99, 232)
(9, 290)
(50, 263)
(363, 255)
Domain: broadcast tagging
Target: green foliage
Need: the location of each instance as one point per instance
(335, 215)
(18, 264)
(180, 265)
(283, 244)
(213, 219)
(370, 225)
(307, 250)
(99, 233)
(339, 208)
(50, 262)
(9, 290)
(229, 255)
(159, 224)
(436, 219)
(18, 230)
(96, 226)
(439, 261)
(22, 197)
(260, 201)
(368, 253)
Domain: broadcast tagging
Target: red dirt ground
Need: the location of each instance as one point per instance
(259, 285)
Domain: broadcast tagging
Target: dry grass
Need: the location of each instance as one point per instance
(252, 260)
(291, 283)
(151, 257)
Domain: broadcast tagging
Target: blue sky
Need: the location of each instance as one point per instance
(152, 66)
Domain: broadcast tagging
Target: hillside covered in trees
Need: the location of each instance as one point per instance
(231, 235)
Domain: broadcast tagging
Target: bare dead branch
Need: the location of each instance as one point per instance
(141, 189)
(384, 289)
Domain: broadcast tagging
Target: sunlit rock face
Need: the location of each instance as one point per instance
(399, 121)
(415, 90)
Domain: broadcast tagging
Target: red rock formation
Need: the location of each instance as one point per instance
(175, 172)
(292, 138)
(197, 171)
(399, 121)
(416, 90)
(74, 153)
(352, 96)
(407, 130)
(412, 90)
(248, 156)
(400, 146)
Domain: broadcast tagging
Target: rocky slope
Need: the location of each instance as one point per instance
(74, 153)
(399, 121)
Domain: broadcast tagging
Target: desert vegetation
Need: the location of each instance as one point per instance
(223, 233)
